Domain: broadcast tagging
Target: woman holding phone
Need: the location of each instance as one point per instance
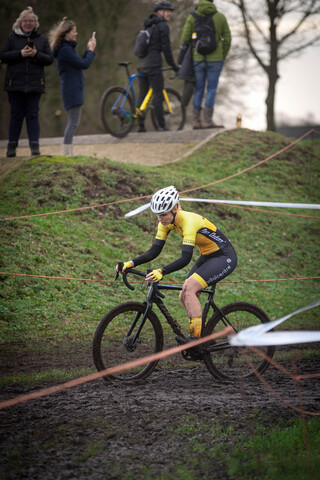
(26, 52)
(63, 41)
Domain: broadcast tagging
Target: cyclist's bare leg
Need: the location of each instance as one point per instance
(189, 299)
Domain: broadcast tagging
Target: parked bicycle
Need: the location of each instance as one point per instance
(133, 330)
(118, 107)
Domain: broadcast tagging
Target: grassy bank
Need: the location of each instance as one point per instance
(43, 314)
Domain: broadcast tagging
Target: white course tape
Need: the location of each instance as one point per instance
(259, 335)
(138, 210)
(313, 206)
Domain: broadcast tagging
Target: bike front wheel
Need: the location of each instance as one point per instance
(117, 340)
(229, 363)
(117, 111)
(174, 119)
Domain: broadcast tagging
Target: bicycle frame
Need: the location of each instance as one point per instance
(130, 90)
(209, 303)
(134, 329)
(154, 296)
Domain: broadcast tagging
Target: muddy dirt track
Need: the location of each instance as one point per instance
(104, 430)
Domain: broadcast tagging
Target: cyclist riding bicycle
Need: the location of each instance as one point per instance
(217, 256)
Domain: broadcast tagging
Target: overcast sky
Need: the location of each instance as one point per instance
(297, 94)
(297, 90)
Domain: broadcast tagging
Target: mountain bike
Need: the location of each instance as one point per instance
(118, 107)
(133, 330)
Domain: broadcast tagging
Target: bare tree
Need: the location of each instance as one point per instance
(275, 30)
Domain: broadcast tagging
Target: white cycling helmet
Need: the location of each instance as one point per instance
(164, 200)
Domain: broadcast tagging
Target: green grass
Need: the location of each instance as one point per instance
(55, 375)
(43, 314)
(282, 452)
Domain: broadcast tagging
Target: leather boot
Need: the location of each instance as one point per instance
(67, 150)
(34, 147)
(196, 125)
(11, 151)
(207, 119)
(141, 127)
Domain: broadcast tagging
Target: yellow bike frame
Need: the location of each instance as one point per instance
(146, 101)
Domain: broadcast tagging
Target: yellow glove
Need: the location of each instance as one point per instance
(156, 275)
(126, 265)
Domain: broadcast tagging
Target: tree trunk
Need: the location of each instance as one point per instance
(272, 70)
(270, 100)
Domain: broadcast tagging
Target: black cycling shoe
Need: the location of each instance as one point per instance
(184, 340)
(192, 354)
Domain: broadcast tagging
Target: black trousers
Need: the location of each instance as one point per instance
(154, 79)
(24, 106)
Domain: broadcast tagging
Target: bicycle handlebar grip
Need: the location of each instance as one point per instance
(120, 267)
(125, 281)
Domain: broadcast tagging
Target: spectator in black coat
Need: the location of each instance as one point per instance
(151, 64)
(26, 52)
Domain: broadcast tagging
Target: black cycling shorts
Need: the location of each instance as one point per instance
(210, 269)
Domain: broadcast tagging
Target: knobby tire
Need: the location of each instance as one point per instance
(110, 339)
(117, 121)
(229, 363)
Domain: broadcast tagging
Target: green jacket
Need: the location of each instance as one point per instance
(223, 34)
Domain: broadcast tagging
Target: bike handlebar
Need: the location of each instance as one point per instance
(125, 273)
(136, 272)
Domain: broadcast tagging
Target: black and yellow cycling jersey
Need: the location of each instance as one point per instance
(218, 257)
(195, 230)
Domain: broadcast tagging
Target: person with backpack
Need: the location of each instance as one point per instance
(150, 64)
(209, 33)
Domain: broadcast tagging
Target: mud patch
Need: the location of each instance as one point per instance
(103, 430)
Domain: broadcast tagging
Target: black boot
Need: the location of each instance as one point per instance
(11, 151)
(34, 147)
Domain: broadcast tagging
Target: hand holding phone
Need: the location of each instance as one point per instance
(92, 42)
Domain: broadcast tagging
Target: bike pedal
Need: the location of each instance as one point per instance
(181, 340)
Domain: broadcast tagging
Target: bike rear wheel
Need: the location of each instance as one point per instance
(114, 344)
(229, 363)
(174, 120)
(117, 111)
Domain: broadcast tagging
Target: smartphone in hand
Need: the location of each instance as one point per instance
(93, 34)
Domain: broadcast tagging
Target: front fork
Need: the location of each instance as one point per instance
(131, 343)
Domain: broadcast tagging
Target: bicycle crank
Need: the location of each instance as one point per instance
(192, 354)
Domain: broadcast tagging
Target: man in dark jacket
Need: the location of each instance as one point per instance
(151, 64)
